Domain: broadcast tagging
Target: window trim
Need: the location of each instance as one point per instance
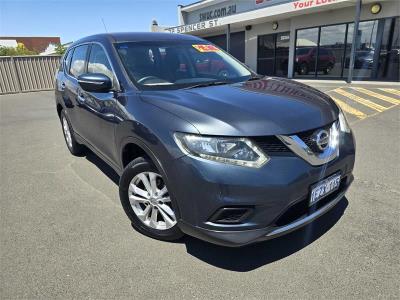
(116, 85)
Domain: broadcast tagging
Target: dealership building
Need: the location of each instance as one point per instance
(309, 39)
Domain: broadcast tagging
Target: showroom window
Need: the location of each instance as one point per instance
(237, 43)
(306, 52)
(324, 51)
(365, 50)
(331, 50)
(273, 54)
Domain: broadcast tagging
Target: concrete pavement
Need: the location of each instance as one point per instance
(63, 233)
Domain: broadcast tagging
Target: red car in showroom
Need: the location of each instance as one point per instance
(306, 59)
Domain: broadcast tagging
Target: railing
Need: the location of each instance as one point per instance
(27, 73)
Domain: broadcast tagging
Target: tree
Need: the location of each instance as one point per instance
(13, 51)
(60, 49)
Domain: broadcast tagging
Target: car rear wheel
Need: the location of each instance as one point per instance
(303, 69)
(146, 201)
(328, 69)
(72, 144)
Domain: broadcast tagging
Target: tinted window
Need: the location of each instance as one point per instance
(98, 61)
(78, 61)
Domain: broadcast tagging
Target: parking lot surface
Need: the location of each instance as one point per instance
(63, 232)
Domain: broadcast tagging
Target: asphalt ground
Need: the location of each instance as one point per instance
(63, 233)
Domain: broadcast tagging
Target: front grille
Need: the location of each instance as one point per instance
(272, 145)
(307, 137)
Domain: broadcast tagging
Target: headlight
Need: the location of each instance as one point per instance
(235, 151)
(343, 124)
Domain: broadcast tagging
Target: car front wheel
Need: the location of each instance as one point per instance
(146, 201)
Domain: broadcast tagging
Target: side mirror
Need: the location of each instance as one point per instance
(95, 82)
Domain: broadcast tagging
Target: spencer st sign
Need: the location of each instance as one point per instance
(194, 27)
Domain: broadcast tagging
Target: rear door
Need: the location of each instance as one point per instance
(72, 90)
(62, 79)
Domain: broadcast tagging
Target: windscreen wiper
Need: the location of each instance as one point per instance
(205, 84)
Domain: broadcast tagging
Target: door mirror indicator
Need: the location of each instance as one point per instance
(95, 82)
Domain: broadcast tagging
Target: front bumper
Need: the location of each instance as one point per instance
(201, 188)
(245, 237)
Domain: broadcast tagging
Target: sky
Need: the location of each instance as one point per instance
(73, 19)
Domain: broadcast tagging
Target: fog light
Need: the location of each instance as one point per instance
(231, 215)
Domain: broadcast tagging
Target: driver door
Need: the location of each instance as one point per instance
(98, 109)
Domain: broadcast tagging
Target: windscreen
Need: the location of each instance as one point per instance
(175, 65)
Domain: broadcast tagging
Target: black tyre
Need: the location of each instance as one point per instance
(223, 73)
(303, 70)
(145, 199)
(328, 69)
(72, 144)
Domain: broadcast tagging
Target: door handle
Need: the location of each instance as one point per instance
(62, 86)
(81, 98)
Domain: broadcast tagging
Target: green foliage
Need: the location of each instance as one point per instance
(60, 49)
(14, 51)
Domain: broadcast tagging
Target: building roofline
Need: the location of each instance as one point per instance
(199, 4)
(21, 36)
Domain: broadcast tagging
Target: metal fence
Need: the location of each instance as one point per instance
(27, 73)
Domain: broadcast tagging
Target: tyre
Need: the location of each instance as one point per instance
(328, 69)
(72, 144)
(223, 73)
(303, 69)
(145, 199)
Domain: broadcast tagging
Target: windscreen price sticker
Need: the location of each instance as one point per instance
(205, 48)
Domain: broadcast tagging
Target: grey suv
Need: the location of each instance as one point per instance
(228, 157)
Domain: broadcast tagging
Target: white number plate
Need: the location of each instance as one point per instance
(324, 188)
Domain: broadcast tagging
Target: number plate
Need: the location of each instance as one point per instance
(324, 188)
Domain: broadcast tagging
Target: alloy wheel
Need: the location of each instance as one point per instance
(67, 132)
(150, 201)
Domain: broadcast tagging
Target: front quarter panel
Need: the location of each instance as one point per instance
(151, 125)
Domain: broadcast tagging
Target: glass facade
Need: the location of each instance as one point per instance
(306, 52)
(324, 51)
(273, 53)
(331, 50)
(237, 43)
